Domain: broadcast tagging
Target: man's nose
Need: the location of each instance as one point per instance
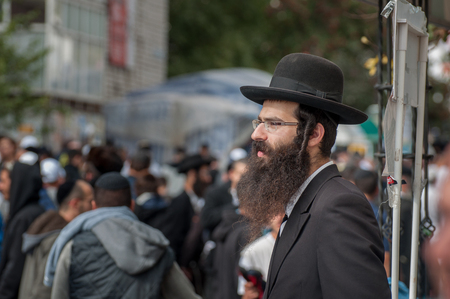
(260, 133)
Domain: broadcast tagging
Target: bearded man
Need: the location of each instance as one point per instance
(329, 244)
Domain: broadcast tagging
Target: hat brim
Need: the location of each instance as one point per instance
(347, 115)
(193, 163)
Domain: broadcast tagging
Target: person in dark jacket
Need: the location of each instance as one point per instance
(73, 167)
(230, 236)
(139, 167)
(5, 186)
(109, 253)
(24, 209)
(185, 209)
(8, 149)
(367, 182)
(217, 200)
(150, 205)
(101, 160)
(74, 198)
(222, 197)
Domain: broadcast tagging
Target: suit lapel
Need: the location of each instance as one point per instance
(271, 263)
(297, 220)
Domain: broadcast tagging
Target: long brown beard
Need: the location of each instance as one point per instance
(268, 184)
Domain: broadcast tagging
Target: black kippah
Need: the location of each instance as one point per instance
(64, 191)
(112, 181)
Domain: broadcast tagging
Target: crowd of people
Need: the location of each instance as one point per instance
(206, 230)
(96, 222)
(72, 221)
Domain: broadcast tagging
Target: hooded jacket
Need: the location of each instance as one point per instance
(118, 258)
(24, 209)
(37, 242)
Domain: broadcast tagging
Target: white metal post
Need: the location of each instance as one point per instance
(399, 85)
(423, 51)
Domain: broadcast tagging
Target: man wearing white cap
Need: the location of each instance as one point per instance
(27, 152)
(53, 175)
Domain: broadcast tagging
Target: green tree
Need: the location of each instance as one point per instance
(207, 34)
(18, 70)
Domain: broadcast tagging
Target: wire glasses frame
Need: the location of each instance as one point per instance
(270, 125)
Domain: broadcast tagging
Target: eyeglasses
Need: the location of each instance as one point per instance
(271, 126)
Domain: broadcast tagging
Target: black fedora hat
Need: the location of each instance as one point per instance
(308, 80)
(193, 162)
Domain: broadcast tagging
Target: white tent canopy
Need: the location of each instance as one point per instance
(203, 107)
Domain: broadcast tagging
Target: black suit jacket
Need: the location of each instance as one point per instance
(330, 247)
(177, 222)
(230, 236)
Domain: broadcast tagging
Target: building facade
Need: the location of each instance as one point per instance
(99, 50)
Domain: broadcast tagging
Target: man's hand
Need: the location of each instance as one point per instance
(251, 292)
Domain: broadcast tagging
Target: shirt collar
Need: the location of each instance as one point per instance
(291, 204)
(197, 203)
(235, 199)
(143, 198)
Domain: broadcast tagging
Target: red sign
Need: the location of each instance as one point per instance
(391, 181)
(118, 32)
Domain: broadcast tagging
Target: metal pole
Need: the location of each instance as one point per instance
(389, 53)
(398, 159)
(425, 286)
(423, 51)
(380, 110)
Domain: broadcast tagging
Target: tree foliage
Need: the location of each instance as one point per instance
(18, 69)
(206, 34)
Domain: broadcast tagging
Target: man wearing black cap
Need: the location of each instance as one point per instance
(185, 208)
(182, 225)
(329, 244)
(109, 253)
(74, 198)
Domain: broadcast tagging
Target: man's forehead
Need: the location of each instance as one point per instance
(274, 102)
(276, 108)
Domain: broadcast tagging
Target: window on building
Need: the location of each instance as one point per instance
(79, 44)
(36, 7)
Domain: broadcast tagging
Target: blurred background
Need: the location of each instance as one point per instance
(119, 71)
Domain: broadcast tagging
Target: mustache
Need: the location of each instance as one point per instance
(260, 146)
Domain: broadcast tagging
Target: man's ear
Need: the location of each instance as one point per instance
(317, 135)
(94, 205)
(132, 205)
(73, 203)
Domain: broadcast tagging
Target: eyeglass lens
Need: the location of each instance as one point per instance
(269, 126)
